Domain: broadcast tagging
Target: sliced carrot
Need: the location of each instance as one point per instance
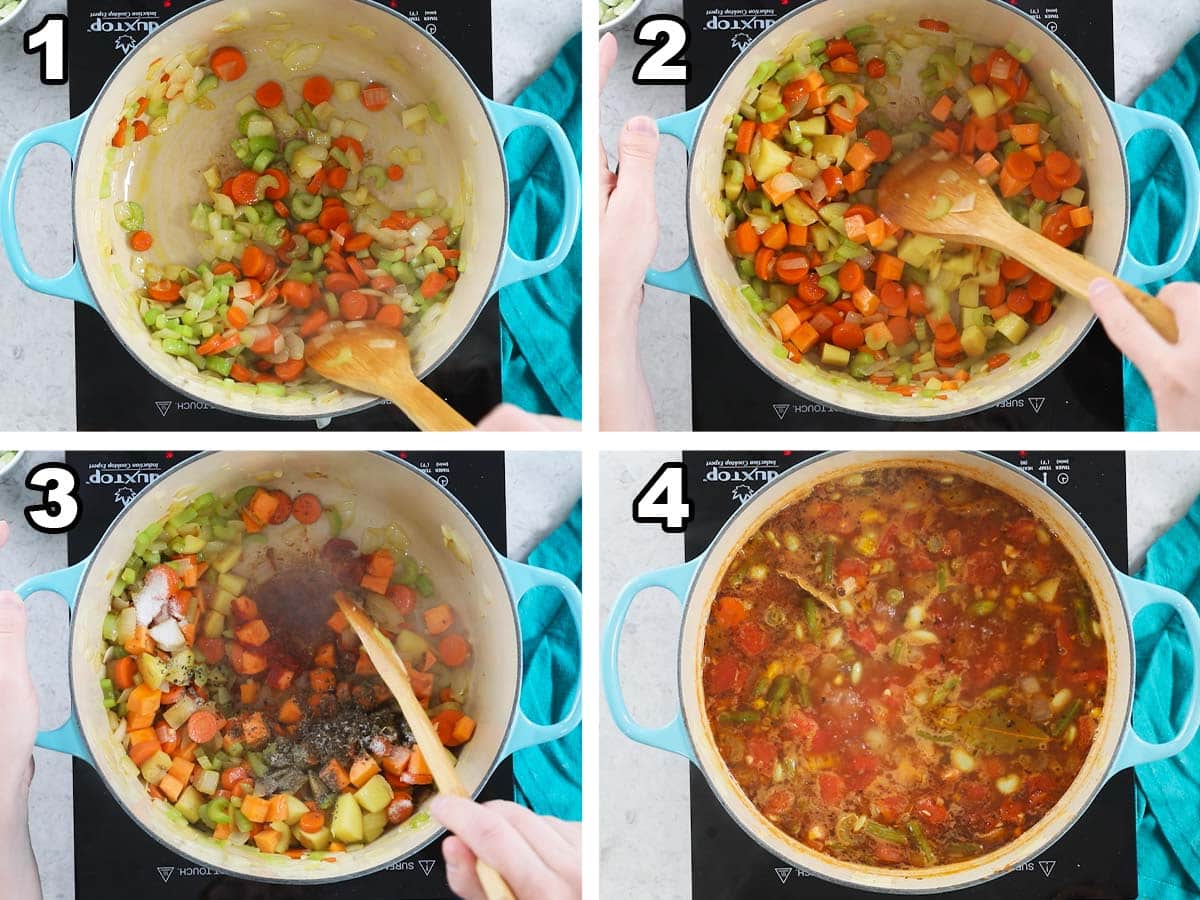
(141, 241)
(269, 94)
(317, 90)
(228, 63)
(307, 509)
(454, 650)
(202, 727)
(375, 96)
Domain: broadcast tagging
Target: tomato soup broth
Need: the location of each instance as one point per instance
(904, 668)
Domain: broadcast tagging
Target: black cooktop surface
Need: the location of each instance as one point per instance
(1095, 859)
(114, 857)
(112, 390)
(1084, 394)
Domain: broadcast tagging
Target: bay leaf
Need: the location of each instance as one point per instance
(993, 730)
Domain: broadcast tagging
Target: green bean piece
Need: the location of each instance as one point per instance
(1068, 716)
(917, 833)
(1083, 622)
(884, 833)
(827, 561)
(739, 716)
(779, 688)
(811, 619)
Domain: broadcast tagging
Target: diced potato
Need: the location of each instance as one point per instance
(835, 356)
(156, 767)
(189, 804)
(373, 825)
(317, 841)
(375, 795)
(347, 825)
(152, 670)
(1013, 327)
(769, 159)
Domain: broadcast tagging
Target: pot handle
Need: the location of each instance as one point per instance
(1139, 595)
(71, 285)
(514, 267)
(685, 278)
(524, 578)
(1130, 122)
(672, 737)
(67, 738)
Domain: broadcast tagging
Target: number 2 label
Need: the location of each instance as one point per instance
(664, 64)
(663, 501)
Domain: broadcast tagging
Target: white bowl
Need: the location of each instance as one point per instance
(12, 16)
(621, 19)
(7, 468)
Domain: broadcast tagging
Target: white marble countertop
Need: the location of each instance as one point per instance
(541, 489)
(1149, 35)
(644, 834)
(37, 332)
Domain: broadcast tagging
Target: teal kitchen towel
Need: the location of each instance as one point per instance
(541, 335)
(1168, 791)
(549, 778)
(1157, 202)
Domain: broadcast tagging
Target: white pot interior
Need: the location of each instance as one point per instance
(786, 490)
(462, 161)
(1088, 129)
(384, 491)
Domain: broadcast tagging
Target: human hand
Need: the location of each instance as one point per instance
(507, 417)
(628, 213)
(18, 706)
(539, 857)
(628, 240)
(1172, 371)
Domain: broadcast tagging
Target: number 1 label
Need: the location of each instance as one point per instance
(49, 38)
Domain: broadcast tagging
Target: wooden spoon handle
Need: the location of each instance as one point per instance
(391, 669)
(1075, 273)
(428, 411)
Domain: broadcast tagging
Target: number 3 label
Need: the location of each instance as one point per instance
(663, 501)
(664, 64)
(59, 509)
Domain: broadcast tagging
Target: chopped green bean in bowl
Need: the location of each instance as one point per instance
(613, 12)
(9, 460)
(9, 10)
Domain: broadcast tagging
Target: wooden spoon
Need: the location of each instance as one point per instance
(374, 359)
(913, 185)
(391, 669)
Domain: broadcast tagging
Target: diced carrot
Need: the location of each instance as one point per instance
(786, 321)
(363, 769)
(249, 692)
(143, 750)
(889, 267)
(254, 633)
(374, 583)
(122, 672)
(325, 656)
(454, 649)
(986, 164)
(143, 700)
(942, 108)
(333, 774)
(337, 622)
(745, 136)
(797, 235)
(171, 787)
(805, 337)
(1027, 133)
(277, 808)
(140, 643)
(245, 609)
(245, 661)
(746, 239)
(1081, 217)
(289, 712)
(464, 730)
(775, 237)
(256, 809)
(322, 681)
(854, 181)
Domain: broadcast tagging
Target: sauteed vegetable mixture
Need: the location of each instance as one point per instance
(904, 668)
(242, 696)
(294, 232)
(836, 282)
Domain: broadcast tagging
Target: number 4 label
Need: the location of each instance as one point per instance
(49, 38)
(664, 64)
(663, 501)
(59, 509)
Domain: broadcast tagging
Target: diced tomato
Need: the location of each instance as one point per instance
(751, 638)
(778, 802)
(887, 852)
(930, 811)
(919, 561)
(1012, 812)
(800, 726)
(982, 569)
(890, 809)
(852, 567)
(831, 787)
(761, 754)
(724, 676)
(863, 636)
(1022, 531)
